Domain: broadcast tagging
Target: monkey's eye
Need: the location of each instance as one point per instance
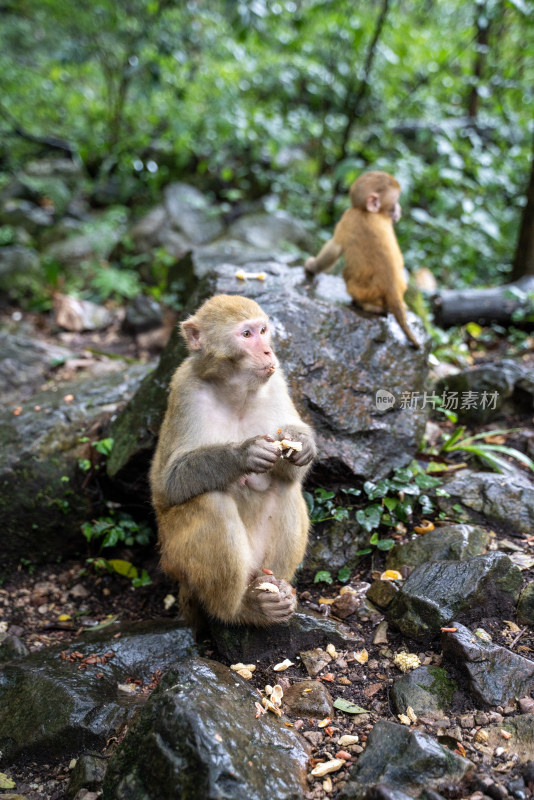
(263, 329)
(246, 334)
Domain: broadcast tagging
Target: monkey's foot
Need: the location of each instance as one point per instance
(275, 605)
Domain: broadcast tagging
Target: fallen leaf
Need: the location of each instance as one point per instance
(5, 782)
(348, 707)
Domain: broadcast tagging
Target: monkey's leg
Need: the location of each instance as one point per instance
(205, 545)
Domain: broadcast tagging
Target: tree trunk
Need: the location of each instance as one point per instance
(459, 306)
(481, 47)
(523, 263)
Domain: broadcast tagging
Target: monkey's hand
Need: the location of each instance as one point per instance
(260, 454)
(270, 607)
(308, 452)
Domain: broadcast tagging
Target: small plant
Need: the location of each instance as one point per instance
(108, 532)
(325, 576)
(322, 506)
(102, 446)
(487, 446)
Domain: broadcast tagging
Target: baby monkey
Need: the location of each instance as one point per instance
(374, 271)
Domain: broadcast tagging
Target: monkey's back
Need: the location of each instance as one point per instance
(374, 263)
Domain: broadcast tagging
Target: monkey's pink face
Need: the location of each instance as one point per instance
(253, 341)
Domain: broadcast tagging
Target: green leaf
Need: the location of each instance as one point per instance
(123, 567)
(385, 544)
(323, 576)
(5, 782)
(369, 518)
(348, 707)
(343, 575)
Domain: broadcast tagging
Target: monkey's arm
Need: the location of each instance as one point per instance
(290, 468)
(213, 468)
(326, 257)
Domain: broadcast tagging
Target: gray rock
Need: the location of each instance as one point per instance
(190, 212)
(24, 364)
(525, 606)
(199, 738)
(428, 690)
(437, 592)
(49, 708)
(402, 760)
(29, 216)
(308, 699)
(496, 675)
(20, 270)
(449, 543)
(382, 592)
(272, 231)
(88, 774)
(39, 473)
(143, 313)
(506, 499)
(304, 630)
(315, 660)
(504, 386)
(72, 251)
(11, 648)
(335, 360)
(336, 544)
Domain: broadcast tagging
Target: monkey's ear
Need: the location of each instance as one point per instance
(191, 333)
(373, 202)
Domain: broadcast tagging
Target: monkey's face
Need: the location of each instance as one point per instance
(390, 204)
(251, 341)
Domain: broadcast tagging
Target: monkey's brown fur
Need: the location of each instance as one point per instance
(374, 271)
(226, 504)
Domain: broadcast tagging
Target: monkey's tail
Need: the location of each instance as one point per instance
(396, 307)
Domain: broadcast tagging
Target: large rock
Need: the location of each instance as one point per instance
(495, 389)
(25, 364)
(43, 500)
(198, 737)
(271, 231)
(437, 592)
(508, 499)
(428, 690)
(400, 759)
(305, 629)
(335, 359)
(20, 271)
(450, 543)
(49, 708)
(496, 675)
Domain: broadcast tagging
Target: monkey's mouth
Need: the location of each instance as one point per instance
(267, 371)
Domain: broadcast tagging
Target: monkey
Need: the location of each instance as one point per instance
(374, 271)
(228, 500)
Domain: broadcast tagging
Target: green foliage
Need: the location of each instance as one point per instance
(102, 446)
(267, 98)
(111, 531)
(487, 452)
(325, 576)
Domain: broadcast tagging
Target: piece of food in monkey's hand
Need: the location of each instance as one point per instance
(269, 587)
(242, 275)
(287, 447)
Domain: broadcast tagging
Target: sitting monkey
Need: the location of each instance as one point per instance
(374, 271)
(232, 520)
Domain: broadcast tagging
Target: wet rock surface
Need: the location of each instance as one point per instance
(404, 760)
(439, 591)
(200, 738)
(496, 675)
(334, 358)
(446, 543)
(54, 705)
(427, 690)
(508, 500)
(42, 504)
